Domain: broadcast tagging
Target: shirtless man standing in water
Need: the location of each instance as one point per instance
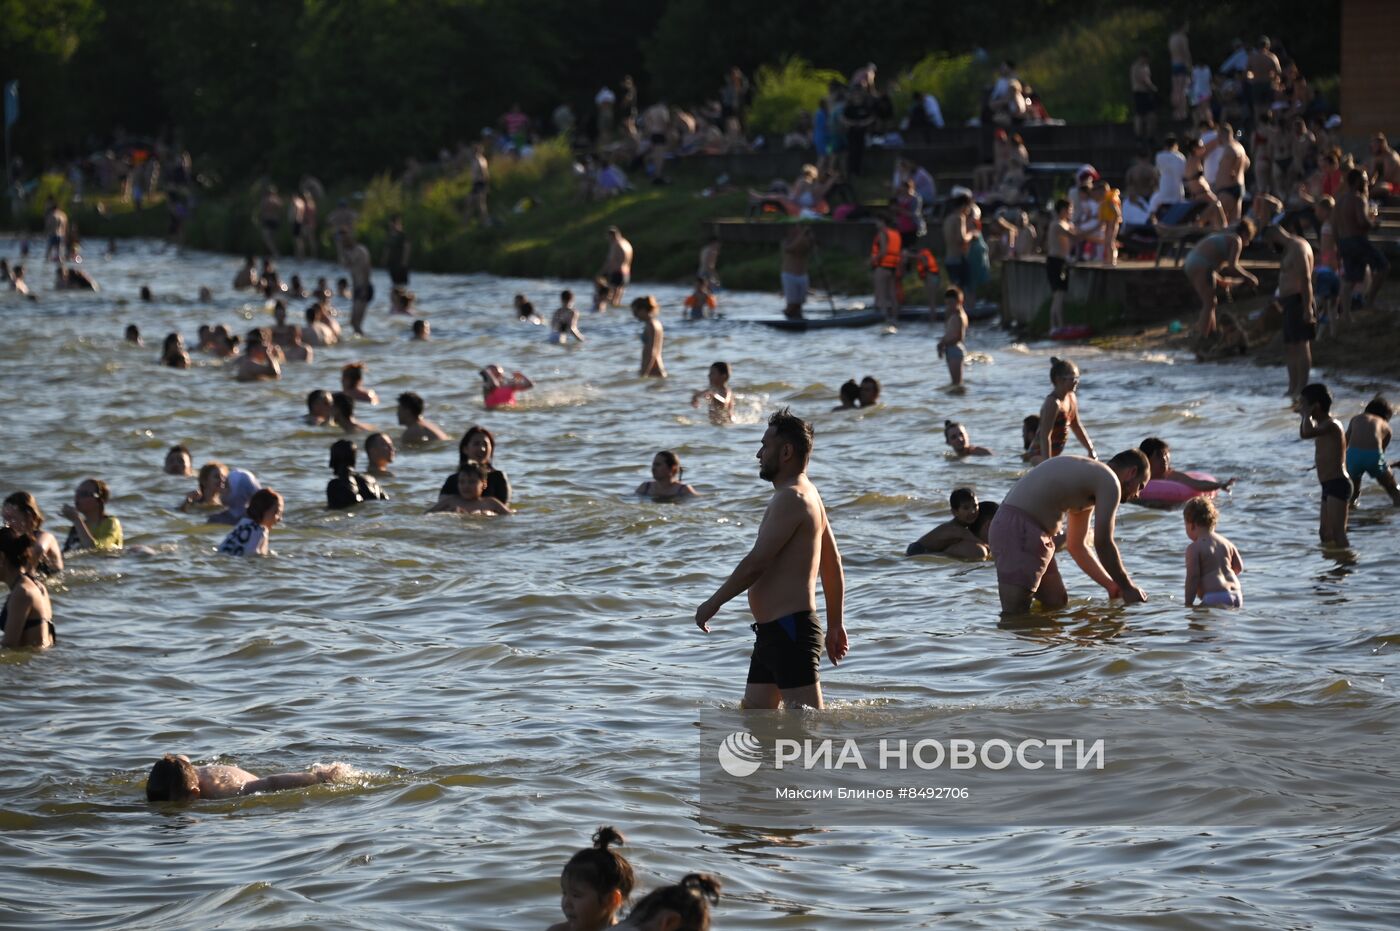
(795, 545)
(1022, 534)
(617, 267)
(357, 261)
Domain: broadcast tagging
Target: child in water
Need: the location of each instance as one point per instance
(525, 311)
(954, 537)
(1213, 564)
(683, 907)
(499, 391)
(1030, 427)
(1368, 436)
(1060, 412)
(850, 396)
(251, 536)
(470, 497)
(955, 435)
(701, 303)
(175, 779)
(595, 885)
(666, 475)
(1329, 455)
(565, 321)
(718, 394)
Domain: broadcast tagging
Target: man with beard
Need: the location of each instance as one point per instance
(795, 545)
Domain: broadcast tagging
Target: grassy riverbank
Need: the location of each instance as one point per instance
(543, 227)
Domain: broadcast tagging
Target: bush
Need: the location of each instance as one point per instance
(782, 93)
(1082, 75)
(956, 80)
(51, 185)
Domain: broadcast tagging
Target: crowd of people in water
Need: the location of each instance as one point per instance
(1305, 184)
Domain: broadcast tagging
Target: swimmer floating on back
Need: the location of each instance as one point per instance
(175, 779)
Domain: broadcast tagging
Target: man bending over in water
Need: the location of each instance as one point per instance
(795, 545)
(1023, 532)
(175, 779)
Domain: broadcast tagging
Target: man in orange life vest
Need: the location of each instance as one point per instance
(885, 260)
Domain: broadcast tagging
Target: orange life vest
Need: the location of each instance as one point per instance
(925, 264)
(890, 258)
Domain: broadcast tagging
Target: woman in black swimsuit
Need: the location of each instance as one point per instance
(478, 445)
(666, 473)
(26, 619)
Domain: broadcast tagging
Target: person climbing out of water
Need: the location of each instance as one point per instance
(666, 478)
(252, 536)
(595, 885)
(1060, 412)
(1213, 564)
(26, 617)
(174, 778)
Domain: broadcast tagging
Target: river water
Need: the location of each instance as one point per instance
(505, 686)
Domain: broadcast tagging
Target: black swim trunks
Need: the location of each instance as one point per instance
(364, 292)
(478, 187)
(1359, 253)
(787, 651)
(1297, 328)
(617, 279)
(1144, 102)
(1057, 271)
(658, 139)
(1234, 190)
(398, 275)
(1337, 488)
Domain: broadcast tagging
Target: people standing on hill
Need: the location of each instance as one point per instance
(396, 252)
(859, 116)
(269, 219)
(341, 221)
(1171, 175)
(1353, 221)
(958, 234)
(656, 126)
(1144, 97)
(481, 181)
(1228, 182)
(1179, 48)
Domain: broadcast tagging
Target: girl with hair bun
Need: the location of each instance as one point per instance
(1060, 413)
(26, 617)
(682, 907)
(595, 885)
